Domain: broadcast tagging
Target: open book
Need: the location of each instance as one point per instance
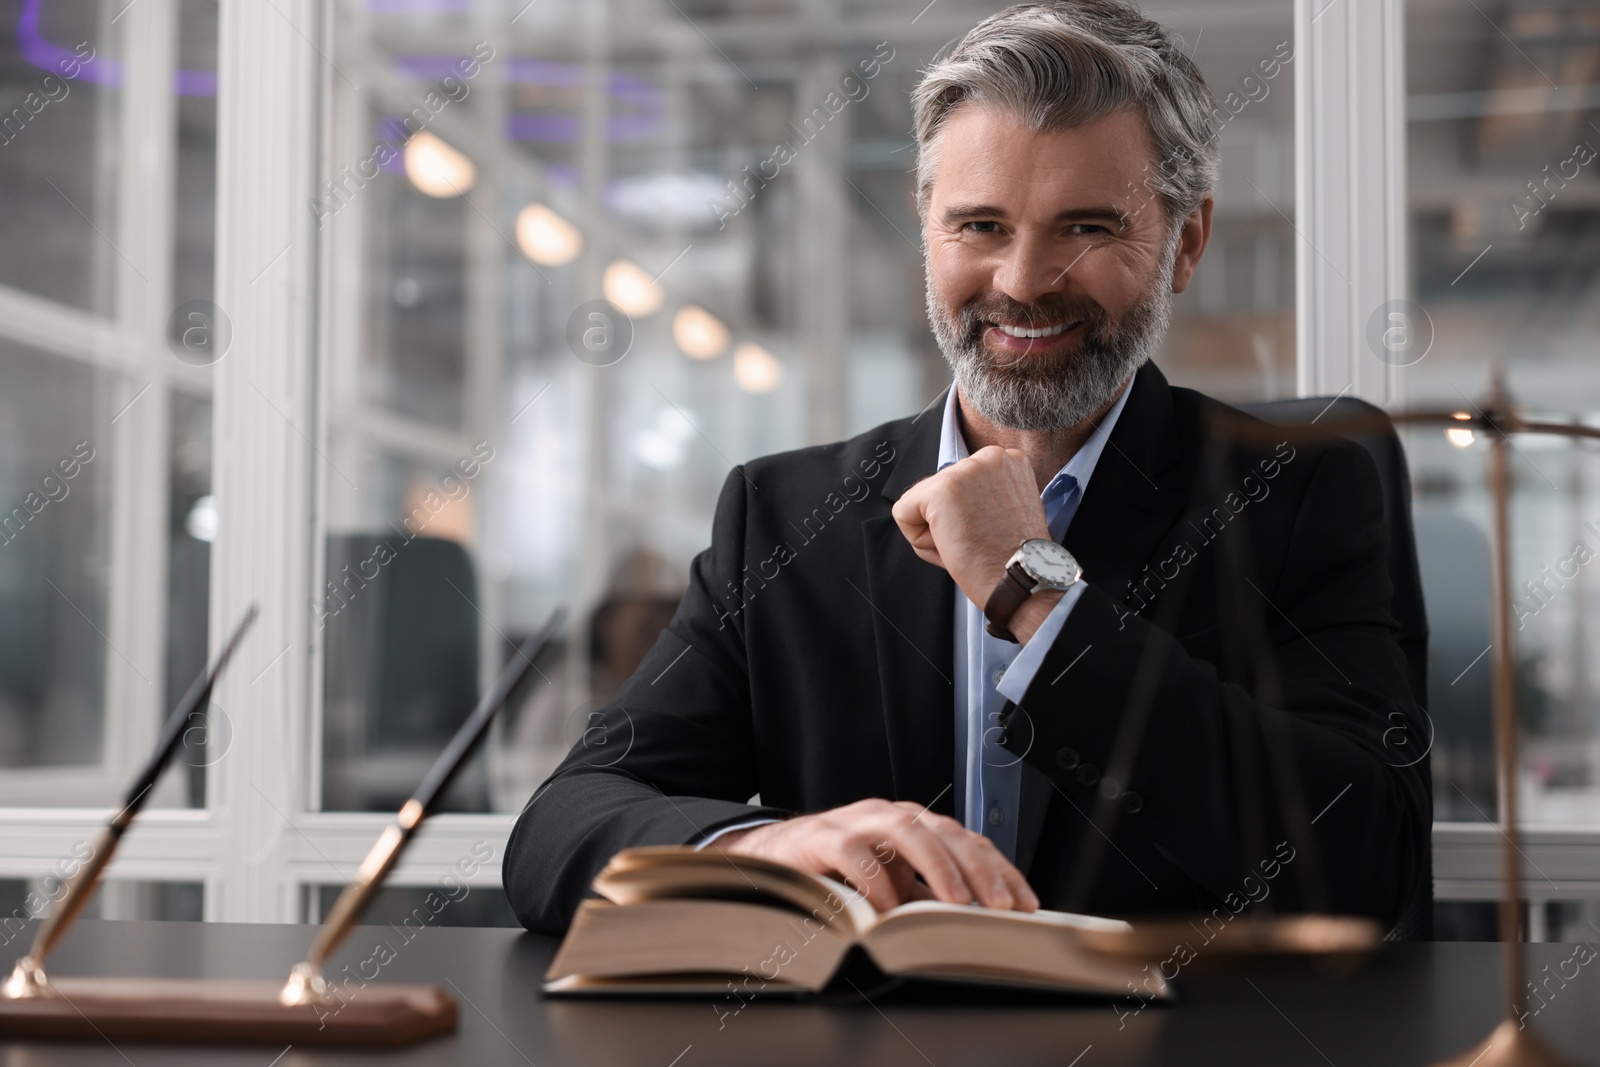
(676, 920)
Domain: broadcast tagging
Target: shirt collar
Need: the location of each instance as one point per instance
(953, 446)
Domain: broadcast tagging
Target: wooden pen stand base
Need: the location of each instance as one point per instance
(205, 1011)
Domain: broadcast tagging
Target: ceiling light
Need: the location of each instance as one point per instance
(632, 290)
(755, 369)
(547, 238)
(437, 169)
(699, 333)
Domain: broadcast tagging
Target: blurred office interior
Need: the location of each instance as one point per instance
(473, 174)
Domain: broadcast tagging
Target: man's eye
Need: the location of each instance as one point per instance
(976, 227)
(1086, 229)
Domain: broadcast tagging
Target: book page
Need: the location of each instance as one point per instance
(688, 941)
(1043, 917)
(671, 872)
(969, 943)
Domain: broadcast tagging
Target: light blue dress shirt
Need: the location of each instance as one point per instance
(989, 671)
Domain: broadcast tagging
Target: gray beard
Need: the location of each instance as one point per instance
(1034, 392)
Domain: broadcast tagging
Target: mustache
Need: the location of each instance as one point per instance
(1053, 308)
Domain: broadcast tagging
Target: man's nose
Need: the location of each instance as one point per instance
(1029, 268)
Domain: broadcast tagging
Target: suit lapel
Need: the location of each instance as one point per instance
(913, 608)
(1138, 489)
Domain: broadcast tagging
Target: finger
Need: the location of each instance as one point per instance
(904, 876)
(1023, 898)
(927, 853)
(906, 882)
(907, 511)
(996, 881)
(991, 863)
(981, 867)
(913, 527)
(849, 857)
(922, 543)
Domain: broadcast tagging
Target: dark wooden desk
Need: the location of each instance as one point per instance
(1411, 1005)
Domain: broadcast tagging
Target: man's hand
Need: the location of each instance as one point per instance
(970, 517)
(880, 847)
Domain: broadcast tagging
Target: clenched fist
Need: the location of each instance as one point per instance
(970, 517)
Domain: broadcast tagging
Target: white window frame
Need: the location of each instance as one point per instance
(260, 842)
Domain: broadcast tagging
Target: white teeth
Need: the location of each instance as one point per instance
(1019, 331)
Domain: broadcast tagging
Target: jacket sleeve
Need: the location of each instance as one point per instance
(1224, 772)
(669, 760)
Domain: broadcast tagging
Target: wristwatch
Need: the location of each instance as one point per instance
(1038, 564)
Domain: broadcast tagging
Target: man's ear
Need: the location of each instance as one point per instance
(1191, 244)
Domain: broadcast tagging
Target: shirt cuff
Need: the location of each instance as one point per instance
(747, 824)
(1019, 676)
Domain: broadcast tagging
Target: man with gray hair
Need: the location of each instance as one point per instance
(1046, 642)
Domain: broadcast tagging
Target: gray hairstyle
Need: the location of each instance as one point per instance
(1059, 64)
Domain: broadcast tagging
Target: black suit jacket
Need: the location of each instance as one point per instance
(1223, 718)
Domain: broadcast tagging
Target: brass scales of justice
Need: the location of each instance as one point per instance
(1510, 1043)
(204, 1010)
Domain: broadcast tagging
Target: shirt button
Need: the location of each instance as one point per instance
(996, 816)
(1066, 758)
(999, 673)
(1132, 803)
(1110, 788)
(1088, 774)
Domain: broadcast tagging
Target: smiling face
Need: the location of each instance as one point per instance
(1051, 263)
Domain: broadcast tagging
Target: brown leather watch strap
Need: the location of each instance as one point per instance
(1009, 595)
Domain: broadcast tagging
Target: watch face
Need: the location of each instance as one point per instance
(1049, 562)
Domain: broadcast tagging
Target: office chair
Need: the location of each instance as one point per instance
(1406, 605)
(402, 668)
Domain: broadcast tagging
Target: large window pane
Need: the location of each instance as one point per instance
(104, 571)
(195, 182)
(55, 481)
(60, 81)
(1505, 236)
(191, 527)
(1233, 331)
